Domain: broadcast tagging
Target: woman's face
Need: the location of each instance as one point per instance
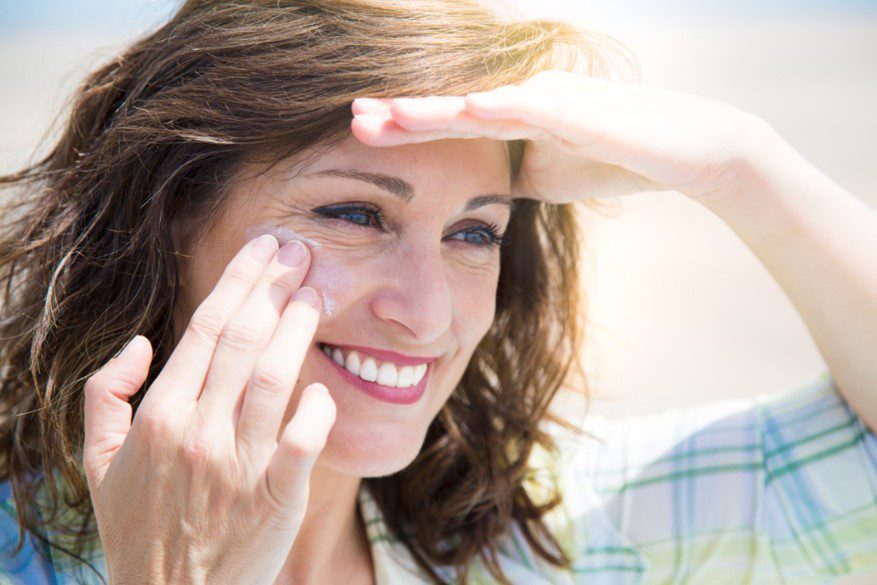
(404, 266)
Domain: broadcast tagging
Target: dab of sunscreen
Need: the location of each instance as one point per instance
(282, 234)
(329, 280)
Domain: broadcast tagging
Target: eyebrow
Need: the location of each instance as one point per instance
(404, 190)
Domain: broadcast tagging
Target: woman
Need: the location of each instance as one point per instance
(348, 332)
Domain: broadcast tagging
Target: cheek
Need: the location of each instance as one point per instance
(474, 304)
(335, 282)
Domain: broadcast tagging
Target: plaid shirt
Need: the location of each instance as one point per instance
(779, 489)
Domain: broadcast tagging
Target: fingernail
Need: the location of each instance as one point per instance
(292, 253)
(263, 247)
(308, 296)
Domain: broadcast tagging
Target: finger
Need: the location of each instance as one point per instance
(183, 375)
(289, 470)
(370, 106)
(380, 130)
(584, 114)
(449, 114)
(510, 112)
(107, 410)
(248, 332)
(596, 180)
(512, 102)
(519, 110)
(275, 374)
(428, 113)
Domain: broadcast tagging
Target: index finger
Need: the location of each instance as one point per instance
(183, 375)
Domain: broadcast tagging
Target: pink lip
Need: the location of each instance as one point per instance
(388, 356)
(407, 395)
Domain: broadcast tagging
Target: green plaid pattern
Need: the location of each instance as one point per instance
(779, 489)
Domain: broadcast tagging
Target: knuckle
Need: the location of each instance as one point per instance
(124, 379)
(300, 448)
(268, 378)
(208, 322)
(279, 287)
(198, 450)
(242, 275)
(241, 337)
(153, 423)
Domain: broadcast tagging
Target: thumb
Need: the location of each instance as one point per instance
(303, 439)
(107, 411)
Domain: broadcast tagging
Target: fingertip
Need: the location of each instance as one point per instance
(128, 350)
(141, 340)
(321, 388)
(309, 296)
(373, 123)
(137, 345)
(365, 105)
(318, 388)
(380, 129)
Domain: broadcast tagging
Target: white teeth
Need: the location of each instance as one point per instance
(406, 377)
(369, 371)
(419, 372)
(387, 374)
(352, 364)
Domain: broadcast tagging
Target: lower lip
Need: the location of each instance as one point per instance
(408, 395)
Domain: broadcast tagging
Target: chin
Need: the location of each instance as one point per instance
(371, 450)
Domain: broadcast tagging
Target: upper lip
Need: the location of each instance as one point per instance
(386, 355)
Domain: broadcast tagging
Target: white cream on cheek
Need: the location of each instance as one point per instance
(330, 280)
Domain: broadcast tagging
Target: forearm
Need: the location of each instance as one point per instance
(820, 244)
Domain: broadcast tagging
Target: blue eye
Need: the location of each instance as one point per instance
(366, 216)
(486, 236)
(356, 214)
(358, 217)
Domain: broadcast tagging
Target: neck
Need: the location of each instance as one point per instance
(332, 537)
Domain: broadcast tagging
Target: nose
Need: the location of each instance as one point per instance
(415, 296)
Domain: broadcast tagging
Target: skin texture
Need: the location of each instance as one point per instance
(413, 291)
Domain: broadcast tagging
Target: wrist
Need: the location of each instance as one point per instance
(767, 173)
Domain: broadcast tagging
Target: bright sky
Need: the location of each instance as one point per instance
(135, 15)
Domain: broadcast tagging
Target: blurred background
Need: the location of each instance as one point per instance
(681, 313)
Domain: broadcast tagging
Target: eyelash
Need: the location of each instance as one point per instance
(491, 231)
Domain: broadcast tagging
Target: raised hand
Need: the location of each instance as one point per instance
(205, 486)
(585, 137)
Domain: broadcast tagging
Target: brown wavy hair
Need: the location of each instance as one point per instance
(157, 134)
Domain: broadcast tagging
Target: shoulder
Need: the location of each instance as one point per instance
(28, 565)
(762, 483)
(57, 556)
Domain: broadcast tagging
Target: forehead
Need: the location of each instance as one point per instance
(459, 165)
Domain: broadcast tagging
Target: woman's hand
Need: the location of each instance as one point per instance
(200, 489)
(585, 137)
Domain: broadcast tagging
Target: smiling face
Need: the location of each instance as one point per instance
(408, 270)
